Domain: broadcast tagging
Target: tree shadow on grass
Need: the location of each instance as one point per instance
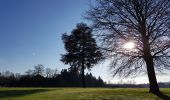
(18, 93)
(162, 96)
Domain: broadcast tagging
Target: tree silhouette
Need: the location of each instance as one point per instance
(39, 70)
(146, 23)
(29, 72)
(82, 50)
(49, 72)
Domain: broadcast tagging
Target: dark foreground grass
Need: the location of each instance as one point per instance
(79, 93)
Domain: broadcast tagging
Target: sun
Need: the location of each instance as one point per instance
(129, 45)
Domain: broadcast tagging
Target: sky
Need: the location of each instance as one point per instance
(30, 34)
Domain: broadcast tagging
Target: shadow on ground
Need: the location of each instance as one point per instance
(18, 93)
(163, 96)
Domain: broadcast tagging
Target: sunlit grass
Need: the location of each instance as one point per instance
(78, 93)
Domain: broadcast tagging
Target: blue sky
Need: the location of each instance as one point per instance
(30, 33)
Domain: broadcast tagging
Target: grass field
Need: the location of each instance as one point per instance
(79, 93)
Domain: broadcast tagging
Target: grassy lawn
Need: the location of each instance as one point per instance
(78, 93)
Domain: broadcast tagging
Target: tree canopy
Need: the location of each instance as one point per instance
(82, 51)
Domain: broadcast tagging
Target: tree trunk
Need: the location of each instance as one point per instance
(83, 77)
(150, 67)
(82, 66)
(154, 88)
(151, 75)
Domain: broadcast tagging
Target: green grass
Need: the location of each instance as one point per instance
(78, 93)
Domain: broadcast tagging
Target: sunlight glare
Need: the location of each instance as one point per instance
(129, 45)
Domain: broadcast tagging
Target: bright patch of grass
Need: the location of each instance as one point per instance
(78, 93)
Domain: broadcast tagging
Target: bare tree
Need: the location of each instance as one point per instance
(49, 72)
(143, 22)
(55, 72)
(17, 76)
(29, 72)
(8, 74)
(39, 69)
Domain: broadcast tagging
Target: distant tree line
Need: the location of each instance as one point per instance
(133, 85)
(41, 77)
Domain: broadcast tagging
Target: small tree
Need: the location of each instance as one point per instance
(49, 72)
(82, 50)
(39, 70)
(29, 72)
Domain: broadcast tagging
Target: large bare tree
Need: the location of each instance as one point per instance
(146, 23)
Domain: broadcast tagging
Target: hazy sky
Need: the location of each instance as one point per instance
(30, 34)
